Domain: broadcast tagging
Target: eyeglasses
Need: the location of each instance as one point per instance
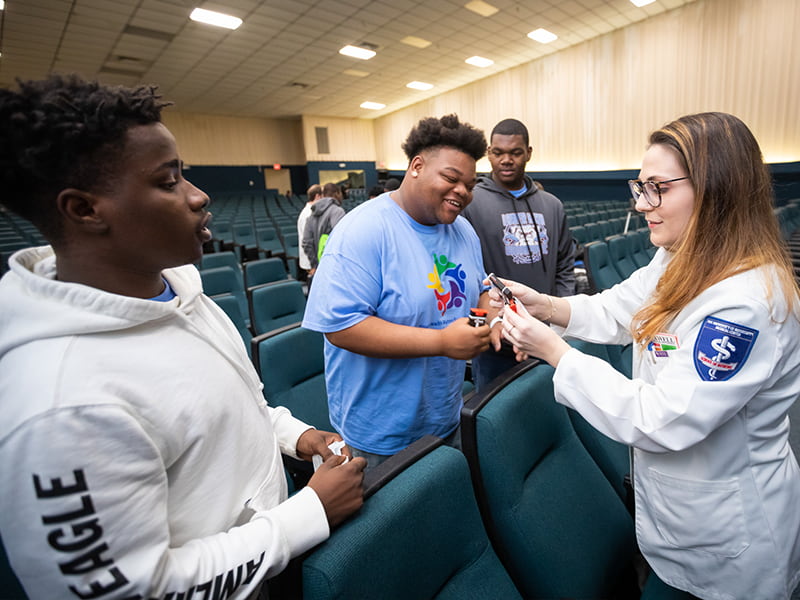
(651, 190)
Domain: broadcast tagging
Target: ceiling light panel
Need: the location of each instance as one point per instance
(372, 105)
(419, 85)
(480, 7)
(211, 17)
(415, 41)
(356, 52)
(479, 61)
(543, 36)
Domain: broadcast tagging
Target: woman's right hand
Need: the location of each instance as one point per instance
(537, 304)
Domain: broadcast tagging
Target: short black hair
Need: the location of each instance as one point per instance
(446, 132)
(61, 132)
(511, 127)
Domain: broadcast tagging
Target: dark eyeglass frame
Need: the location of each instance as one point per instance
(638, 189)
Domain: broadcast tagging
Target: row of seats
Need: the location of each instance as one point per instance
(613, 260)
(534, 507)
(258, 295)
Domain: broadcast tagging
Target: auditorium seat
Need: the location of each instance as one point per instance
(601, 273)
(621, 255)
(276, 304)
(226, 280)
(612, 457)
(265, 270)
(557, 524)
(230, 304)
(639, 253)
(291, 364)
(418, 535)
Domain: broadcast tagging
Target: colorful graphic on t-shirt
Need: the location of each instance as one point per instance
(519, 237)
(448, 281)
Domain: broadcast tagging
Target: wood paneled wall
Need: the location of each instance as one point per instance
(592, 106)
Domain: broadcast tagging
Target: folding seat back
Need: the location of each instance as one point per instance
(225, 258)
(418, 535)
(612, 457)
(268, 241)
(638, 252)
(601, 273)
(265, 270)
(274, 305)
(555, 520)
(621, 255)
(230, 304)
(291, 363)
(226, 280)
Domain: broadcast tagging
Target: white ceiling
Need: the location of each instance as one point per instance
(283, 61)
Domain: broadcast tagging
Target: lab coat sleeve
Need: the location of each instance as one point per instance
(605, 318)
(679, 408)
(89, 517)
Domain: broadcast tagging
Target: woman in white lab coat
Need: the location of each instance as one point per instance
(714, 323)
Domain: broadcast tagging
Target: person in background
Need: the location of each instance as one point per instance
(391, 184)
(714, 320)
(143, 458)
(313, 194)
(523, 232)
(392, 295)
(375, 191)
(325, 214)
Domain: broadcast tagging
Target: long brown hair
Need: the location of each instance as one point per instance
(732, 227)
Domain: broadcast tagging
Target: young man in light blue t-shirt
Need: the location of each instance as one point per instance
(393, 288)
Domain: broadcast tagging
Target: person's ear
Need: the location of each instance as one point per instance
(80, 210)
(416, 165)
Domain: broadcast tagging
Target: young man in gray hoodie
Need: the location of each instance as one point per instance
(325, 214)
(523, 233)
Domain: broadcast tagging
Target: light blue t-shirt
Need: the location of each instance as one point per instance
(380, 262)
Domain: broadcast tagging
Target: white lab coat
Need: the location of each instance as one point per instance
(717, 486)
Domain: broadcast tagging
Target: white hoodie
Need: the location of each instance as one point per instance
(138, 458)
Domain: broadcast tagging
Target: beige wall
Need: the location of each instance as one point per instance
(592, 106)
(216, 140)
(348, 139)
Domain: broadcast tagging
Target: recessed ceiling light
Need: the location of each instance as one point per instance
(543, 36)
(214, 18)
(641, 3)
(356, 52)
(419, 85)
(355, 73)
(417, 42)
(479, 61)
(373, 105)
(484, 9)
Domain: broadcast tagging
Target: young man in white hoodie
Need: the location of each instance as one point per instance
(143, 458)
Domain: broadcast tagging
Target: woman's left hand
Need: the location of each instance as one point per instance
(531, 337)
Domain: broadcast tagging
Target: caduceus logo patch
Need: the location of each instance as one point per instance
(722, 348)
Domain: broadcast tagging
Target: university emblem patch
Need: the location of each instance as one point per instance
(722, 348)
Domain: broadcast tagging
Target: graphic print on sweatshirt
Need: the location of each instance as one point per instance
(519, 234)
(448, 282)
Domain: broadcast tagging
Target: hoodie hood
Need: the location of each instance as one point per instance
(486, 183)
(34, 306)
(321, 205)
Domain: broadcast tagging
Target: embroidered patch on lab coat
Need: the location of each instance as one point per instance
(662, 344)
(722, 348)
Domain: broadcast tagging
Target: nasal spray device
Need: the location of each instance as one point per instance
(477, 317)
(508, 298)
